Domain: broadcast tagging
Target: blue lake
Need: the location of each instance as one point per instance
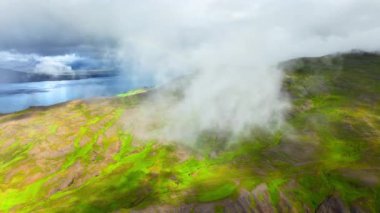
(19, 96)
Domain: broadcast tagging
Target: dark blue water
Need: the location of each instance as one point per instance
(19, 96)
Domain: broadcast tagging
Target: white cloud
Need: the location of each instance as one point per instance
(55, 65)
(50, 65)
(6, 56)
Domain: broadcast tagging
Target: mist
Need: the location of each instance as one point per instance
(233, 47)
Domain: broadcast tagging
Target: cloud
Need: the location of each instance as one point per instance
(56, 65)
(233, 45)
(50, 65)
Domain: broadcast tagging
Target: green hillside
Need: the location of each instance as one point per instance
(80, 157)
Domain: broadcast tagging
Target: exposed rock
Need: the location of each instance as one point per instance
(261, 198)
(66, 179)
(332, 204)
(256, 201)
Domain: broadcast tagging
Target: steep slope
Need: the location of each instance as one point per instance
(81, 157)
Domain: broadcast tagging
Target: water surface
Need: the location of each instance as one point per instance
(19, 96)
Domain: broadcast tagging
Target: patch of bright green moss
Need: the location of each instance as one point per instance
(12, 197)
(274, 191)
(214, 193)
(132, 92)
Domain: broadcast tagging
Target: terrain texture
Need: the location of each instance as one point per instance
(81, 156)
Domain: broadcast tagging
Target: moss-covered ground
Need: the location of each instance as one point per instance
(79, 157)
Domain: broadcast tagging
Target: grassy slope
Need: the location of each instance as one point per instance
(78, 156)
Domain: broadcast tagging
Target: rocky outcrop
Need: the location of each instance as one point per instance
(332, 205)
(258, 200)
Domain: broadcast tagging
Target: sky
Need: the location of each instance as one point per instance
(232, 45)
(168, 36)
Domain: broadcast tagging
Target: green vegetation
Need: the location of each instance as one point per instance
(132, 92)
(79, 157)
(223, 190)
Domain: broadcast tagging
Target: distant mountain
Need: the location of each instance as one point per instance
(15, 76)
